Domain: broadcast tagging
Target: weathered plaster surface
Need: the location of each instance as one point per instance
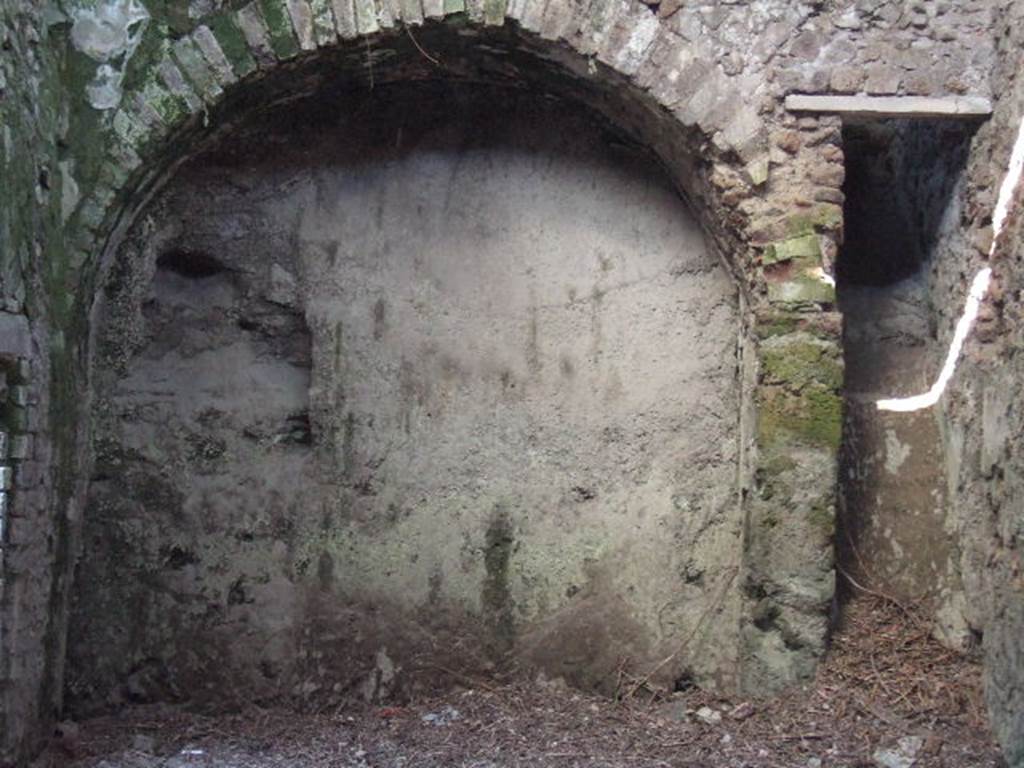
(477, 363)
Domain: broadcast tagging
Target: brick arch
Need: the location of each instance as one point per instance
(619, 60)
(616, 57)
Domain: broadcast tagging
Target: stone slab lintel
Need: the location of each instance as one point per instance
(892, 106)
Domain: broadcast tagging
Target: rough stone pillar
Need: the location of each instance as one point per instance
(789, 579)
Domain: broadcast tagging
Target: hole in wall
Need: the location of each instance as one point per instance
(191, 264)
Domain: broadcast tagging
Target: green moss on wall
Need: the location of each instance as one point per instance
(824, 217)
(802, 291)
(494, 12)
(802, 247)
(279, 25)
(812, 417)
(232, 42)
(799, 360)
(822, 516)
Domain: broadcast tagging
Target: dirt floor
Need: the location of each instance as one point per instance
(888, 695)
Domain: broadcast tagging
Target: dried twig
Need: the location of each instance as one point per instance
(419, 48)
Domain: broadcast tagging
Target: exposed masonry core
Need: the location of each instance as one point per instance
(447, 379)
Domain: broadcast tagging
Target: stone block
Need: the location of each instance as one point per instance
(366, 17)
(15, 336)
(233, 43)
(301, 16)
(345, 18)
(529, 13)
(208, 46)
(560, 21)
(892, 106)
(129, 132)
(197, 70)
(882, 79)
(18, 395)
(176, 84)
(847, 79)
(804, 247)
(433, 9)
(745, 133)
(257, 37)
(600, 18)
(801, 291)
(324, 30)
(280, 28)
(828, 175)
(628, 48)
(157, 99)
(494, 12)
(758, 170)
(389, 12)
(924, 82)
(412, 12)
(21, 447)
(680, 84)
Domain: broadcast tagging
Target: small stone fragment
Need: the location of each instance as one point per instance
(447, 715)
(904, 755)
(742, 711)
(709, 716)
(143, 743)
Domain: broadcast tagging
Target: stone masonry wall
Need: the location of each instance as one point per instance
(102, 100)
(36, 430)
(982, 413)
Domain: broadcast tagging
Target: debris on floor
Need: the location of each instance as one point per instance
(888, 696)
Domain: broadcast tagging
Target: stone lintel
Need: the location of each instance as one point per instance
(970, 107)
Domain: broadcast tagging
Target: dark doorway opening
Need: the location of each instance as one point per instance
(902, 218)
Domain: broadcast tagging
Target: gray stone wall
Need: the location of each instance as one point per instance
(982, 412)
(99, 116)
(35, 425)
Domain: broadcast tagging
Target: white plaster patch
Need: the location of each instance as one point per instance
(896, 453)
(108, 33)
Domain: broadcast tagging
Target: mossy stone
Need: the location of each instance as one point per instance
(804, 248)
(800, 359)
(813, 417)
